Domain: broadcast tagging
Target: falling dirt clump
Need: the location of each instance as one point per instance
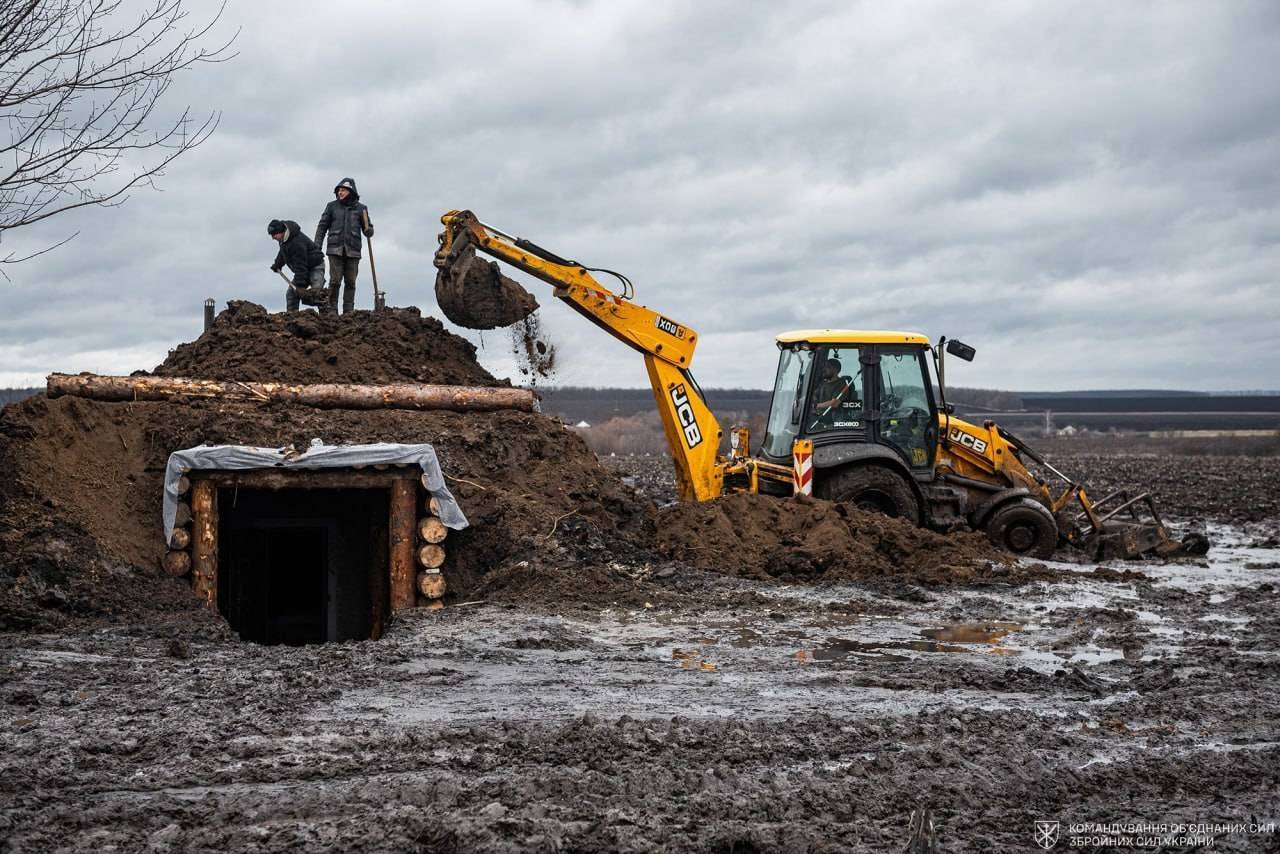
(535, 354)
(395, 346)
(807, 540)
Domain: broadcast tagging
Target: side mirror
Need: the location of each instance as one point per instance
(950, 409)
(961, 350)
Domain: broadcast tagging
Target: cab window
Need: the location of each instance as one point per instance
(906, 415)
(835, 402)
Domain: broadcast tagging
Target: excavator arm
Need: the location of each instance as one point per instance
(692, 432)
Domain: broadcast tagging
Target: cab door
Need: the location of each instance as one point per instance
(903, 414)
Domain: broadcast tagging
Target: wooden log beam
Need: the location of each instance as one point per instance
(295, 478)
(431, 584)
(177, 563)
(204, 541)
(432, 530)
(431, 556)
(320, 395)
(182, 515)
(181, 539)
(403, 516)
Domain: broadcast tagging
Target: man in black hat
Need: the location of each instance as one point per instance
(304, 259)
(344, 220)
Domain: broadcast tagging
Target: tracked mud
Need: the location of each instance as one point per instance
(813, 720)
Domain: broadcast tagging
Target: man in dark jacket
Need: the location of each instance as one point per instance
(303, 258)
(344, 220)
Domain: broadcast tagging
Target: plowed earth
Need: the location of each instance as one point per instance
(746, 675)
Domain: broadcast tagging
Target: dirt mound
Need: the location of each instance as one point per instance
(80, 488)
(398, 345)
(80, 493)
(755, 536)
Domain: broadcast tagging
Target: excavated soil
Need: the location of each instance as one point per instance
(80, 482)
(247, 343)
(804, 540)
(81, 530)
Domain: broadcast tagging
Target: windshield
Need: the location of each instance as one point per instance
(788, 402)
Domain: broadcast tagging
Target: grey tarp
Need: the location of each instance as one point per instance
(241, 457)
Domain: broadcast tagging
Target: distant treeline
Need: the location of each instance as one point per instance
(9, 395)
(595, 405)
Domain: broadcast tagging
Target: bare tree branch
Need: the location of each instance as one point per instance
(80, 90)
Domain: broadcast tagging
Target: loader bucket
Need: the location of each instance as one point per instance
(1114, 527)
(473, 293)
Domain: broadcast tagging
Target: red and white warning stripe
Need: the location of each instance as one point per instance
(802, 467)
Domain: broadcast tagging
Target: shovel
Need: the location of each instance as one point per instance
(308, 296)
(379, 298)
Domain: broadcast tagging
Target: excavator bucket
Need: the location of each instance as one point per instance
(473, 292)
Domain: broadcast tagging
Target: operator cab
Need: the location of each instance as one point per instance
(846, 390)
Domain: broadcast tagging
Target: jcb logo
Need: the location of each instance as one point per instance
(968, 441)
(684, 412)
(670, 327)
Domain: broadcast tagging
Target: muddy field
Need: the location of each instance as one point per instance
(610, 672)
(687, 711)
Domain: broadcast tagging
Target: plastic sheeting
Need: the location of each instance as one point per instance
(317, 456)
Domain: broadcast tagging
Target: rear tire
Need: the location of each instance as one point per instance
(875, 489)
(1024, 527)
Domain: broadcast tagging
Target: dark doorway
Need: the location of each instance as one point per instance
(300, 566)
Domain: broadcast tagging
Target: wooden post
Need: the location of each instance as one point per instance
(403, 519)
(204, 541)
(379, 574)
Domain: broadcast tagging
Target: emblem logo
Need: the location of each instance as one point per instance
(684, 412)
(968, 441)
(1046, 834)
(669, 326)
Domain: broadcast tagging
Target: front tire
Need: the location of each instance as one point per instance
(1024, 527)
(875, 489)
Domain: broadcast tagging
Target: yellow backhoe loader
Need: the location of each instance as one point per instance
(854, 415)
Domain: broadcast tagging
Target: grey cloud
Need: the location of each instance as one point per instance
(1086, 193)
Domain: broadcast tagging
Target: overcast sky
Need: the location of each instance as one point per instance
(1089, 194)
